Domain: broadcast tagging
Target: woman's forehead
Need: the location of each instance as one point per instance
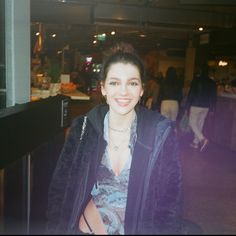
(123, 66)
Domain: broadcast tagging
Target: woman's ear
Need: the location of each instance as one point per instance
(141, 93)
(103, 91)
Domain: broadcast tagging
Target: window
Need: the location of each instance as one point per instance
(2, 56)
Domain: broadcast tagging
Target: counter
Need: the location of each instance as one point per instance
(228, 95)
(36, 94)
(221, 128)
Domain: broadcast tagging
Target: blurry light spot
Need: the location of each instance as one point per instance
(222, 63)
(143, 35)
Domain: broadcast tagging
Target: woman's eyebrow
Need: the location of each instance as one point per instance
(129, 79)
(114, 78)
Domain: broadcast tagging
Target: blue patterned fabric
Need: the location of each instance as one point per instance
(110, 192)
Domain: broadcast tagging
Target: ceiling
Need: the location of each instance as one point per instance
(167, 24)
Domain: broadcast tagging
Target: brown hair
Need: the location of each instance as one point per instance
(125, 53)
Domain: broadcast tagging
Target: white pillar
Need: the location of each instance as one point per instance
(17, 18)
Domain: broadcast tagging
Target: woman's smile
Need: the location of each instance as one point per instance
(123, 102)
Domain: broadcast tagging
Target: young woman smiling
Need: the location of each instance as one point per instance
(119, 170)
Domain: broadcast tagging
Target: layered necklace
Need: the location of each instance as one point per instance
(117, 146)
(119, 138)
(118, 132)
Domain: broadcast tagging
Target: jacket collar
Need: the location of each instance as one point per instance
(146, 127)
(96, 117)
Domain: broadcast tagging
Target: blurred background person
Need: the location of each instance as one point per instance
(52, 67)
(201, 99)
(170, 94)
(151, 93)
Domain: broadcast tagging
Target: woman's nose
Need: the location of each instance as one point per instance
(123, 89)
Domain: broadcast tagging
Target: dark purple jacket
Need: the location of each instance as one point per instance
(154, 190)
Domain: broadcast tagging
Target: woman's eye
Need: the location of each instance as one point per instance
(134, 83)
(113, 83)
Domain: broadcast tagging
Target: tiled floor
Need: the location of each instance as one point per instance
(209, 181)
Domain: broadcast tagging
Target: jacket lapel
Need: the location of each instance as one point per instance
(146, 126)
(136, 180)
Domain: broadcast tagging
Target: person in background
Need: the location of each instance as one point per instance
(119, 171)
(151, 93)
(52, 67)
(170, 94)
(201, 100)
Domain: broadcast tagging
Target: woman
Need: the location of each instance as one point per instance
(201, 100)
(170, 94)
(119, 171)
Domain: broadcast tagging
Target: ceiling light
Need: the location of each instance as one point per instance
(101, 37)
(222, 63)
(143, 35)
(113, 32)
(37, 34)
(200, 28)
(54, 35)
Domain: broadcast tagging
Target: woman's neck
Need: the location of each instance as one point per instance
(120, 122)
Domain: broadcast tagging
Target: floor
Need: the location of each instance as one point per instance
(209, 181)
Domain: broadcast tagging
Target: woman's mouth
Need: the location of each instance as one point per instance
(123, 102)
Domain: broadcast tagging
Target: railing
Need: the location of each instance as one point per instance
(31, 137)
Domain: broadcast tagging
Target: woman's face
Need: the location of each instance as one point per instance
(122, 87)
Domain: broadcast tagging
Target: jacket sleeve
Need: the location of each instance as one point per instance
(213, 97)
(168, 188)
(191, 94)
(57, 188)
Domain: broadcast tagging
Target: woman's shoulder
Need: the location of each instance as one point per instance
(153, 121)
(153, 116)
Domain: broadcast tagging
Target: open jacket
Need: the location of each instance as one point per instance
(154, 189)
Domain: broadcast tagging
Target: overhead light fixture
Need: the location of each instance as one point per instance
(113, 32)
(101, 37)
(222, 63)
(143, 35)
(200, 28)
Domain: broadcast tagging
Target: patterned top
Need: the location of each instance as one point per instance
(110, 192)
